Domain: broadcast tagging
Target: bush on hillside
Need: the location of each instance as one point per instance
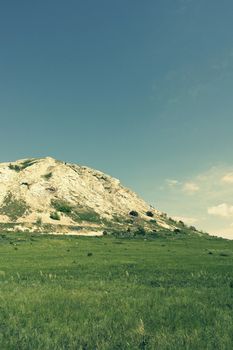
(39, 221)
(140, 231)
(55, 216)
(62, 206)
(133, 213)
(177, 230)
(48, 176)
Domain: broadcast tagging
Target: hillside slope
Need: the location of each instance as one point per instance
(49, 195)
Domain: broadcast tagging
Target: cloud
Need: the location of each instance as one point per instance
(224, 232)
(190, 187)
(228, 178)
(223, 210)
(172, 183)
(204, 199)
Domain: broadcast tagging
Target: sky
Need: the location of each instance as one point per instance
(141, 90)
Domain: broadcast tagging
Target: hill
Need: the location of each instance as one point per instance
(47, 195)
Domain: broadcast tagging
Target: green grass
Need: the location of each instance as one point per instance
(76, 213)
(112, 293)
(62, 206)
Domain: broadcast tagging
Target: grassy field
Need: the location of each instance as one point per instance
(111, 293)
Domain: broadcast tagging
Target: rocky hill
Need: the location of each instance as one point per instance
(48, 195)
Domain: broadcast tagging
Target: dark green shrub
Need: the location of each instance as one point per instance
(224, 254)
(23, 165)
(14, 167)
(55, 216)
(133, 213)
(140, 231)
(48, 176)
(62, 206)
(177, 230)
(150, 214)
(170, 219)
(27, 163)
(38, 221)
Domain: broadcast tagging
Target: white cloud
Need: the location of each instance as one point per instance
(190, 187)
(223, 210)
(210, 192)
(225, 232)
(228, 178)
(172, 183)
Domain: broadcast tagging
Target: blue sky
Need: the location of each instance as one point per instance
(139, 89)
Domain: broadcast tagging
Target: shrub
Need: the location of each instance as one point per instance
(12, 207)
(140, 231)
(23, 165)
(91, 216)
(177, 230)
(224, 254)
(76, 213)
(171, 219)
(133, 213)
(62, 206)
(153, 221)
(55, 216)
(14, 167)
(150, 214)
(48, 176)
(39, 221)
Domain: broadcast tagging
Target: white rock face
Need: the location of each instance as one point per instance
(38, 182)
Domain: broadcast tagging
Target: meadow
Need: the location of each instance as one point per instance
(60, 292)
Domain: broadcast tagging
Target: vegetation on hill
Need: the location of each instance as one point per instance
(25, 164)
(12, 207)
(76, 212)
(48, 176)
